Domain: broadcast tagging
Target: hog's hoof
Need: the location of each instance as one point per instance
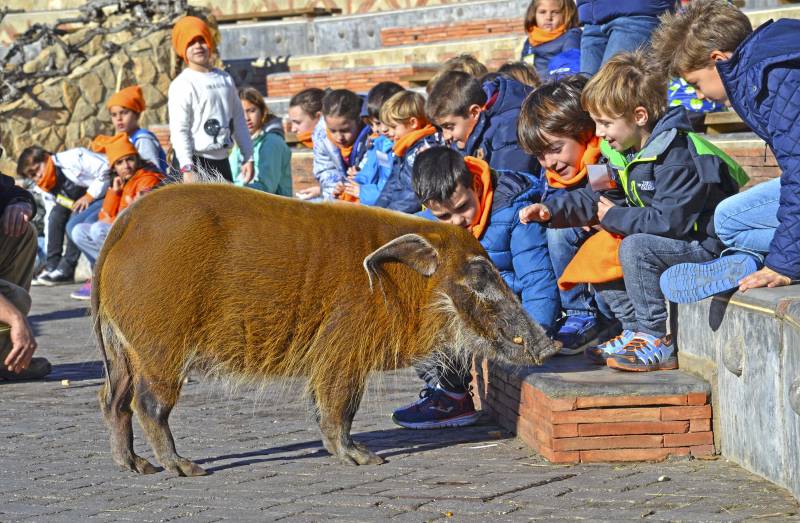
(184, 467)
(358, 454)
(137, 464)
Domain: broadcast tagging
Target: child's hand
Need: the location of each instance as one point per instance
(538, 212)
(766, 277)
(81, 203)
(602, 207)
(246, 174)
(352, 172)
(338, 189)
(117, 184)
(353, 189)
(307, 194)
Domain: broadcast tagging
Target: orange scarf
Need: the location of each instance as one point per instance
(305, 139)
(590, 156)
(539, 36)
(597, 261)
(402, 145)
(48, 180)
(345, 151)
(482, 185)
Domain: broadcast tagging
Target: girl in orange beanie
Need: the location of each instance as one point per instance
(205, 115)
(125, 107)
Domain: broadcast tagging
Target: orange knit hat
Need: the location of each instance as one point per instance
(187, 29)
(114, 147)
(129, 98)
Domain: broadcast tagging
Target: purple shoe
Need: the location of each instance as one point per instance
(84, 293)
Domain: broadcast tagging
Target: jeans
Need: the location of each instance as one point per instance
(89, 215)
(56, 225)
(601, 42)
(452, 373)
(638, 302)
(89, 238)
(562, 244)
(747, 221)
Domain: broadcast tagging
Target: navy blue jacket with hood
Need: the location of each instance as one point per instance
(398, 193)
(597, 12)
(540, 55)
(494, 137)
(762, 80)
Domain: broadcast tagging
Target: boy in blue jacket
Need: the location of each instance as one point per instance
(481, 120)
(667, 183)
(467, 193)
(757, 74)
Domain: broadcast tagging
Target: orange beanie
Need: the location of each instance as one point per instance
(129, 98)
(187, 29)
(114, 147)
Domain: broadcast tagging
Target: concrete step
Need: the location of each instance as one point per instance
(748, 347)
(573, 412)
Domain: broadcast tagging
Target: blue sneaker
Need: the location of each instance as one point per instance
(599, 354)
(645, 353)
(436, 410)
(691, 282)
(576, 332)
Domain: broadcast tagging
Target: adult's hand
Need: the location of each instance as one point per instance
(15, 218)
(766, 277)
(23, 344)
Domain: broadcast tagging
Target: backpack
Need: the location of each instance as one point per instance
(162, 156)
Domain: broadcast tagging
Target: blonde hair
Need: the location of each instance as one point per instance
(567, 7)
(403, 106)
(627, 81)
(683, 41)
(464, 62)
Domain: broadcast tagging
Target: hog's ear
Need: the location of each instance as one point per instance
(410, 249)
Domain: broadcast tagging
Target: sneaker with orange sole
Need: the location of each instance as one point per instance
(645, 353)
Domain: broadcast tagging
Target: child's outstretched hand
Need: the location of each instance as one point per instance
(538, 212)
(765, 277)
(246, 175)
(307, 194)
(353, 189)
(352, 172)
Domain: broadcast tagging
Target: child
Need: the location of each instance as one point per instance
(520, 71)
(273, 159)
(204, 110)
(126, 108)
(467, 193)
(404, 115)
(370, 176)
(133, 177)
(465, 63)
(668, 182)
(339, 142)
(69, 182)
(614, 26)
(305, 110)
(481, 121)
(554, 127)
(552, 27)
(755, 73)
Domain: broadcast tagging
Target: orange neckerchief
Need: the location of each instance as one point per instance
(404, 144)
(539, 36)
(590, 156)
(305, 139)
(482, 185)
(344, 151)
(597, 261)
(48, 180)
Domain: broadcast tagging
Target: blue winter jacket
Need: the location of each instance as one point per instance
(762, 80)
(602, 11)
(519, 251)
(375, 170)
(494, 138)
(539, 56)
(398, 193)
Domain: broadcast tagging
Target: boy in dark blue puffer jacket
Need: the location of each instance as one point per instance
(757, 74)
(467, 193)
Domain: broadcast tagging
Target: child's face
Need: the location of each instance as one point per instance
(621, 133)
(708, 84)
(34, 171)
(198, 53)
(398, 130)
(124, 120)
(253, 116)
(343, 130)
(549, 14)
(460, 209)
(458, 128)
(562, 156)
(125, 167)
(301, 121)
(381, 127)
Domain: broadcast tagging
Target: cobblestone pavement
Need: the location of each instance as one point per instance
(267, 463)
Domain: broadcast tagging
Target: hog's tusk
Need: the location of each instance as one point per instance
(518, 340)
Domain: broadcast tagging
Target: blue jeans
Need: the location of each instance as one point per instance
(637, 302)
(89, 215)
(89, 238)
(747, 221)
(562, 244)
(601, 42)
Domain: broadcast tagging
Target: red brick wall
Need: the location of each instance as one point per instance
(758, 162)
(445, 32)
(358, 80)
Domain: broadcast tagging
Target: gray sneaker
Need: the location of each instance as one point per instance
(38, 369)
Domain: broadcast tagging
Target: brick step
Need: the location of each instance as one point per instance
(571, 411)
(396, 36)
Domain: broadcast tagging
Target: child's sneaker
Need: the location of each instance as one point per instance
(35, 281)
(84, 293)
(599, 354)
(576, 332)
(691, 282)
(437, 409)
(56, 277)
(645, 353)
